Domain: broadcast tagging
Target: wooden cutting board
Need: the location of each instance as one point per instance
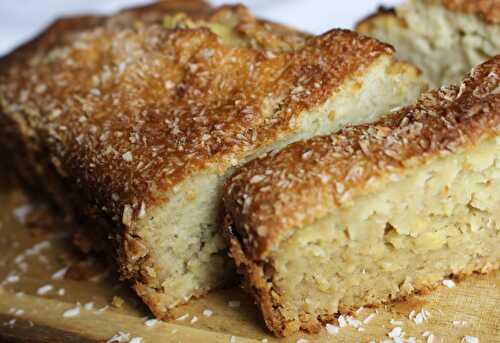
(34, 246)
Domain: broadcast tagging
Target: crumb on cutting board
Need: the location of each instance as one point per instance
(117, 301)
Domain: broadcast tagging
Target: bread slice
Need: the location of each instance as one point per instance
(135, 127)
(445, 38)
(375, 212)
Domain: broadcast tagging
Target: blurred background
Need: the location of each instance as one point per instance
(21, 19)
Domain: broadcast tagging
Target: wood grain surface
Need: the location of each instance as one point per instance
(35, 244)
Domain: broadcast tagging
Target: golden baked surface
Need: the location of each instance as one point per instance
(271, 195)
(130, 110)
(487, 9)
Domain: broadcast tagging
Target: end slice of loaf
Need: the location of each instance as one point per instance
(375, 212)
(135, 128)
(445, 38)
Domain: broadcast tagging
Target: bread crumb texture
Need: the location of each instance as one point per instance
(375, 212)
(445, 38)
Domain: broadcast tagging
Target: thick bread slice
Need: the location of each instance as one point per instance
(137, 126)
(445, 38)
(374, 212)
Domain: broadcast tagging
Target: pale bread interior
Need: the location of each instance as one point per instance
(187, 252)
(443, 43)
(403, 233)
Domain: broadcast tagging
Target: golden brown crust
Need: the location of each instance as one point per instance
(489, 10)
(19, 139)
(110, 104)
(271, 196)
(256, 283)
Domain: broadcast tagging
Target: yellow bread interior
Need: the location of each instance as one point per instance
(445, 44)
(402, 234)
(189, 256)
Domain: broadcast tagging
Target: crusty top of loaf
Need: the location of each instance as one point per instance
(489, 10)
(272, 196)
(129, 111)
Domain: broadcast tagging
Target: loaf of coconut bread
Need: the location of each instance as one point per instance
(132, 123)
(374, 212)
(445, 38)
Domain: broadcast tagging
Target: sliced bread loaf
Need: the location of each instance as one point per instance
(133, 126)
(375, 212)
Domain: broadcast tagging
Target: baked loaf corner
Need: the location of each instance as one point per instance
(445, 38)
(375, 212)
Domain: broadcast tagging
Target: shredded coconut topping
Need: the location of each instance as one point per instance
(449, 283)
(72, 312)
(44, 289)
(332, 329)
(151, 322)
(207, 312)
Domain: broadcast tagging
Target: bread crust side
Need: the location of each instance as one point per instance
(257, 284)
